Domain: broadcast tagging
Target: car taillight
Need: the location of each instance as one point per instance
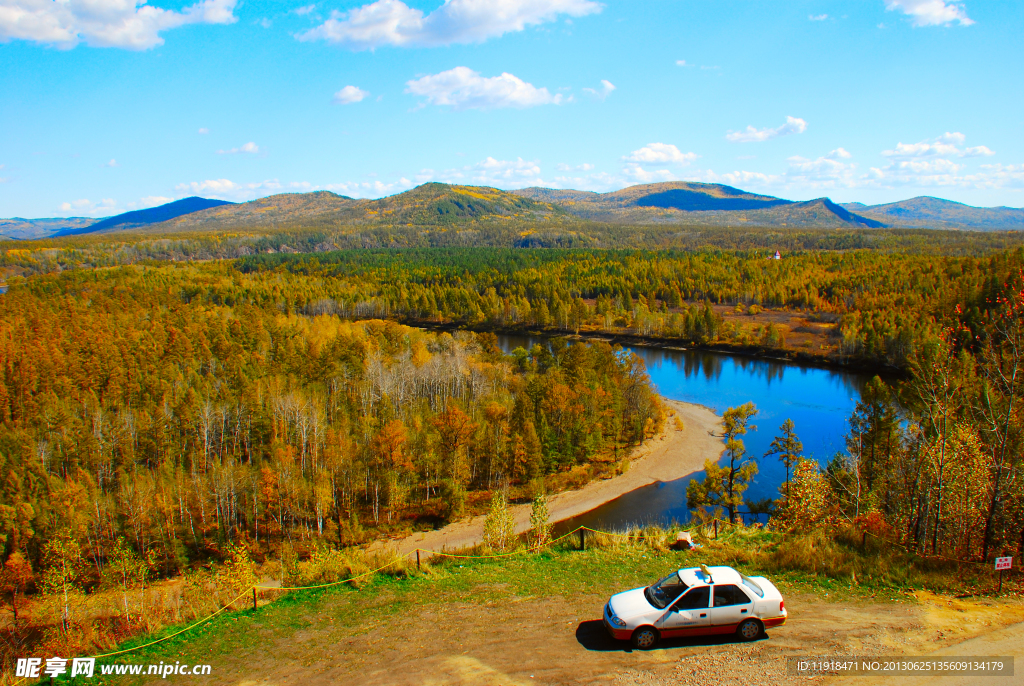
(782, 606)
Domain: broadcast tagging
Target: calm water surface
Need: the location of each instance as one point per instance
(819, 401)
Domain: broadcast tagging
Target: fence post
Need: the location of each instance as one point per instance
(583, 539)
(417, 558)
(253, 597)
(716, 528)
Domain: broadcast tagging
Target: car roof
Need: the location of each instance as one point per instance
(693, 576)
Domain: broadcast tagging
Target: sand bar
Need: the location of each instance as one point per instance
(668, 456)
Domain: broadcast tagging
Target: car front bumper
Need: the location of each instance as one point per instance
(615, 632)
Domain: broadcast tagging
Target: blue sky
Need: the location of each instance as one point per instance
(112, 105)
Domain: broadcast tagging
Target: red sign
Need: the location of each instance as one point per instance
(1003, 563)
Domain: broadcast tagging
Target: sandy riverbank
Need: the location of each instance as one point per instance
(670, 455)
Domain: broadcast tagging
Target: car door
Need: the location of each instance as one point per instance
(731, 605)
(689, 614)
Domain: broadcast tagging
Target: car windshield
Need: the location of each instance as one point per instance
(665, 591)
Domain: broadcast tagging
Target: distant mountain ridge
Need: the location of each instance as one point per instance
(443, 207)
(431, 204)
(151, 215)
(19, 228)
(677, 202)
(926, 211)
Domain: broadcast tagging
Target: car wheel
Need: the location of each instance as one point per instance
(750, 629)
(645, 638)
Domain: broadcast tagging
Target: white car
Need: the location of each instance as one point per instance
(695, 601)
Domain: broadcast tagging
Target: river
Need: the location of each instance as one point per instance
(819, 401)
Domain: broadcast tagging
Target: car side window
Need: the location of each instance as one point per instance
(694, 599)
(730, 595)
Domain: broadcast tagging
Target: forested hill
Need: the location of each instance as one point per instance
(432, 204)
(151, 215)
(942, 214)
(683, 202)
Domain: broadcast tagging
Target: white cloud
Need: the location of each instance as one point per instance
(88, 207)
(250, 148)
(517, 173)
(509, 173)
(824, 172)
(579, 167)
(661, 153)
(370, 189)
(600, 182)
(307, 9)
(349, 95)
(752, 135)
(152, 201)
(817, 17)
(266, 23)
(130, 24)
(464, 89)
(740, 179)
(945, 146)
(682, 63)
(635, 172)
(606, 90)
(111, 163)
(930, 12)
(204, 131)
(226, 189)
(392, 22)
(936, 163)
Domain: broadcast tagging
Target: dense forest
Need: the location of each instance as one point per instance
(139, 247)
(181, 409)
(881, 305)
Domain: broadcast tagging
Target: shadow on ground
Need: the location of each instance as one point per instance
(592, 635)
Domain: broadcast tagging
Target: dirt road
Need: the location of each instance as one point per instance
(670, 455)
(523, 640)
(1005, 642)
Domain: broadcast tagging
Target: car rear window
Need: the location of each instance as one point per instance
(730, 595)
(752, 585)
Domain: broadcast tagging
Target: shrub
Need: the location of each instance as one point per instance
(500, 525)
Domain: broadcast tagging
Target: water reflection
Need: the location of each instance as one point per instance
(819, 401)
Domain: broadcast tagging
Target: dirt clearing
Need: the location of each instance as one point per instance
(487, 636)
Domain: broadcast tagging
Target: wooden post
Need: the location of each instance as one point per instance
(417, 558)
(1000, 582)
(716, 528)
(864, 542)
(254, 598)
(583, 539)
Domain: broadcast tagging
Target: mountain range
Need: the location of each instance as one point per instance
(682, 202)
(451, 206)
(73, 226)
